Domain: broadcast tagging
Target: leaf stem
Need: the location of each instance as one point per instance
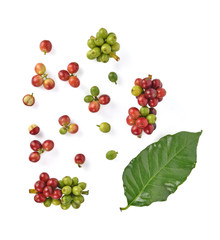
(121, 209)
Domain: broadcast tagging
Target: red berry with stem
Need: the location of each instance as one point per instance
(146, 83)
(49, 84)
(149, 129)
(138, 81)
(33, 129)
(40, 68)
(73, 128)
(53, 182)
(161, 92)
(79, 159)
(74, 81)
(63, 75)
(130, 121)
(150, 93)
(104, 99)
(45, 46)
(37, 81)
(153, 102)
(48, 145)
(142, 100)
(134, 112)
(136, 130)
(39, 198)
(39, 186)
(153, 111)
(35, 145)
(73, 67)
(44, 177)
(57, 194)
(34, 157)
(141, 122)
(64, 120)
(94, 106)
(29, 100)
(48, 191)
(156, 83)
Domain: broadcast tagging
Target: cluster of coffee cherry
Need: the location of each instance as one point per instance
(64, 121)
(148, 93)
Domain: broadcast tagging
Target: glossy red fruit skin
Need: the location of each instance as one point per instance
(134, 112)
(49, 84)
(153, 102)
(73, 67)
(160, 99)
(39, 198)
(138, 81)
(153, 111)
(150, 93)
(34, 157)
(48, 191)
(73, 128)
(156, 83)
(48, 145)
(141, 122)
(37, 81)
(149, 129)
(63, 75)
(74, 81)
(79, 158)
(35, 131)
(64, 120)
(142, 100)
(104, 99)
(44, 177)
(35, 145)
(57, 194)
(39, 186)
(161, 92)
(45, 46)
(40, 68)
(94, 106)
(130, 121)
(136, 130)
(146, 83)
(53, 182)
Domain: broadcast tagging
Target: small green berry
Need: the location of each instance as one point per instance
(136, 90)
(151, 118)
(67, 181)
(56, 202)
(102, 33)
(144, 111)
(99, 41)
(111, 39)
(88, 98)
(63, 131)
(78, 199)
(61, 184)
(76, 190)
(91, 43)
(65, 206)
(104, 58)
(113, 77)
(110, 155)
(104, 127)
(94, 91)
(75, 205)
(66, 199)
(90, 55)
(106, 48)
(115, 47)
(96, 52)
(82, 185)
(75, 181)
(66, 190)
(48, 202)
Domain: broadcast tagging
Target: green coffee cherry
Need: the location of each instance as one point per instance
(111, 39)
(106, 48)
(136, 90)
(88, 98)
(65, 206)
(99, 41)
(104, 127)
(75, 205)
(63, 131)
(94, 91)
(66, 190)
(76, 190)
(90, 55)
(91, 43)
(75, 181)
(113, 77)
(102, 33)
(104, 58)
(115, 47)
(66, 199)
(144, 111)
(96, 52)
(56, 202)
(78, 199)
(82, 185)
(48, 202)
(151, 118)
(67, 181)
(61, 184)
(110, 155)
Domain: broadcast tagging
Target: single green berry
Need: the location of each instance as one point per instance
(91, 43)
(106, 48)
(113, 77)
(78, 199)
(90, 55)
(136, 90)
(67, 181)
(104, 58)
(66, 190)
(96, 52)
(75, 181)
(76, 190)
(104, 127)
(63, 131)
(61, 184)
(48, 202)
(144, 111)
(75, 205)
(66, 199)
(82, 185)
(102, 33)
(88, 98)
(115, 47)
(110, 155)
(56, 202)
(65, 206)
(111, 39)
(99, 58)
(151, 118)
(94, 91)
(99, 41)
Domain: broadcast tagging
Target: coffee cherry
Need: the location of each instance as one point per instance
(79, 159)
(144, 111)
(73, 128)
(74, 81)
(142, 100)
(104, 99)
(136, 90)
(138, 81)
(40, 68)
(130, 121)
(104, 127)
(149, 129)
(134, 112)
(37, 81)
(161, 92)
(39, 186)
(146, 83)
(33, 129)
(110, 155)
(150, 93)
(34, 157)
(48, 191)
(39, 198)
(48, 145)
(136, 130)
(151, 118)
(156, 83)
(153, 102)
(141, 122)
(45, 46)
(94, 106)
(44, 177)
(73, 67)
(29, 100)
(35, 145)
(153, 111)
(63, 75)
(57, 194)
(53, 182)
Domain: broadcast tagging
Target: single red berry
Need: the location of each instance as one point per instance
(73, 67)
(39, 186)
(63, 75)
(150, 93)
(33, 129)
(64, 120)
(57, 194)
(156, 83)
(142, 100)
(149, 129)
(138, 81)
(73, 128)
(153, 102)
(74, 81)
(35, 145)
(161, 92)
(141, 122)
(53, 182)
(136, 130)
(130, 121)
(39, 198)
(49, 84)
(79, 159)
(40, 68)
(94, 106)
(48, 191)
(37, 81)
(48, 145)
(104, 99)
(45, 46)
(134, 112)
(146, 83)
(34, 157)
(153, 111)
(44, 177)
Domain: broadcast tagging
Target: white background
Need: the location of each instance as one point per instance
(176, 41)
